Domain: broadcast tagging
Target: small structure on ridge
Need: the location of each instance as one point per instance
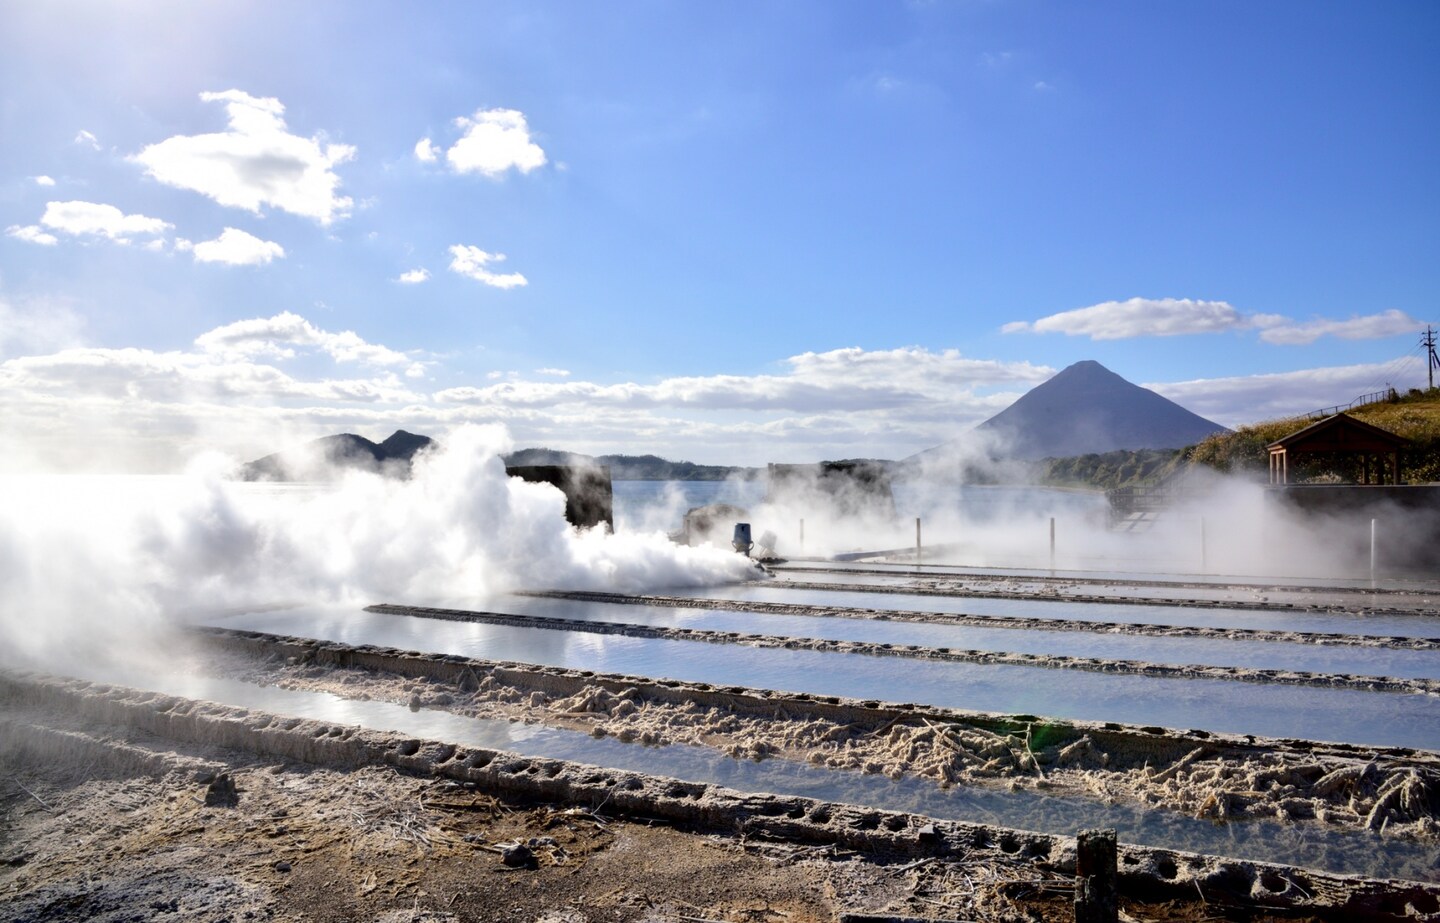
(1348, 442)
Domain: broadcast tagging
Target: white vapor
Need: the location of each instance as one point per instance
(91, 566)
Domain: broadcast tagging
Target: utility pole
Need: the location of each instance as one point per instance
(1432, 362)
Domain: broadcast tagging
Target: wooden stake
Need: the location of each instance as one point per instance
(1097, 898)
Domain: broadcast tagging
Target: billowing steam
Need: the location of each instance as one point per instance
(87, 564)
(1210, 524)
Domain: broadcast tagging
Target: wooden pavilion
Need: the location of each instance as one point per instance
(1378, 450)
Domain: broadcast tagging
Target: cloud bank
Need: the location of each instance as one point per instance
(1160, 317)
(255, 385)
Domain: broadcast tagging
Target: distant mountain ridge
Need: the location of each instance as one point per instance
(321, 458)
(1087, 409)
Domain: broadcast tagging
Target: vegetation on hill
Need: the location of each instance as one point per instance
(1415, 416)
(1108, 470)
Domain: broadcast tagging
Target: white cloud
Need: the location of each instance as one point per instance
(414, 276)
(1368, 327)
(557, 373)
(37, 325)
(840, 380)
(32, 233)
(84, 137)
(276, 336)
(1137, 317)
(471, 262)
(1243, 399)
(43, 180)
(228, 387)
(236, 248)
(495, 140)
(426, 151)
(257, 162)
(99, 220)
(1117, 320)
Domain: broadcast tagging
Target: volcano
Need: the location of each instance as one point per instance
(1087, 408)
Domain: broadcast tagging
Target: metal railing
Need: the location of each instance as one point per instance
(1149, 498)
(1374, 397)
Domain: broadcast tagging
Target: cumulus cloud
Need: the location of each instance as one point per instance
(558, 373)
(1136, 317)
(229, 390)
(1140, 317)
(86, 139)
(414, 276)
(256, 162)
(235, 247)
(1369, 327)
(472, 262)
(1242, 399)
(32, 233)
(99, 220)
(493, 141)
(841, 380)
(276, 336)
(43, 180)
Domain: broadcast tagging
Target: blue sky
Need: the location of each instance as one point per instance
(733, 233)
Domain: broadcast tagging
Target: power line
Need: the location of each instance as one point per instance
(1392, 368)
(1432, 361)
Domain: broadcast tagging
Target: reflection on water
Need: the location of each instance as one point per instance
(1410, 626)
(1312, 847)
(1268, 655)
(1310, 596)
(1386, 719)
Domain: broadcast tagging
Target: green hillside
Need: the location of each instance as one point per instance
(1415, 416)
(1107, 470)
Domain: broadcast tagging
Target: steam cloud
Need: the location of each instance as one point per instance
(92, 564)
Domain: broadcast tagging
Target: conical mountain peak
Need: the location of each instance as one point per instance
(1087, 408)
